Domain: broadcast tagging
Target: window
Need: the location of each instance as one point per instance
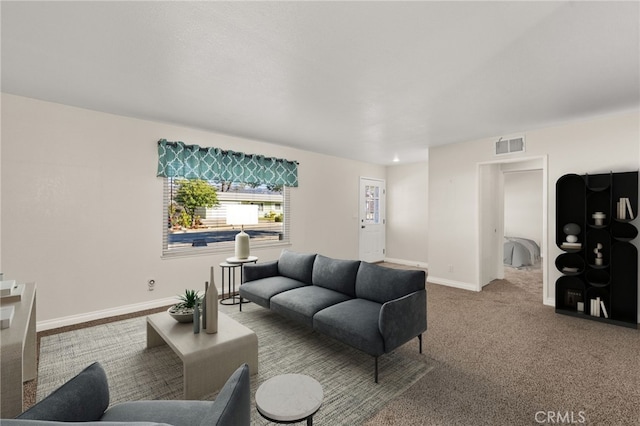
(372, 204)
(205, 230)
(201, 183)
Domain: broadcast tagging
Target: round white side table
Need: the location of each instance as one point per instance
(230, 268)
(289, 398)
(232, 263)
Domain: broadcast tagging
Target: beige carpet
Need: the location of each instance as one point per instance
(501, 357)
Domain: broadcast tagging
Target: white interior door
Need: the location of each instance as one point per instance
(372, 220)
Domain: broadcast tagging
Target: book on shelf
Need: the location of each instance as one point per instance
(14, 296)
(595, 307)
(566, 245)
(627, 204)
(6, 287)
(569, 269)
(604, 309)
(624, 209)
(6, 316)
(618, 213)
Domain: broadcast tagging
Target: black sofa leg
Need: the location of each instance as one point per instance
(240, 304)
(376, 369)
(420, 339)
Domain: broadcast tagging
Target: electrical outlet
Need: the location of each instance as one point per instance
(151, 284)
(450, 268)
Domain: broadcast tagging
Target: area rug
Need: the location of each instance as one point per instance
(134, 372)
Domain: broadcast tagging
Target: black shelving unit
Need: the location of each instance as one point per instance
(613, 280)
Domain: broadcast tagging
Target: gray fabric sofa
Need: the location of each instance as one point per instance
(85, 398)
(372, 308)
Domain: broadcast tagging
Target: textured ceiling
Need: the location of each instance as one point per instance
(362, 80)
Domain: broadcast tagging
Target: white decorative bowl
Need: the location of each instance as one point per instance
(181, 317)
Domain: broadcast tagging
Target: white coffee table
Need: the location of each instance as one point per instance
(208, 359)
(289, 398)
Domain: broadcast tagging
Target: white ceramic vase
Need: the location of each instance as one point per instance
(211, 300)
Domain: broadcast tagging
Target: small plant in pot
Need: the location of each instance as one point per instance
(183, 310)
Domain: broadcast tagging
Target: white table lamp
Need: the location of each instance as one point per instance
(242, 214)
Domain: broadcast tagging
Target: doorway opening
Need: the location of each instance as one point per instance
(512, 214)
(523, 230)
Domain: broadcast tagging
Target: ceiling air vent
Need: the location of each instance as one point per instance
(509, 146)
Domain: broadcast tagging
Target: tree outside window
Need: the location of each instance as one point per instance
(191, 195)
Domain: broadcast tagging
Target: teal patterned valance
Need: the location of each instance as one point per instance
(176, 159)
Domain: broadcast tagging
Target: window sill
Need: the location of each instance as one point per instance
(208, 251)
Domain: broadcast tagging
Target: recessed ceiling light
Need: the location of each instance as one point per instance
(396, 159)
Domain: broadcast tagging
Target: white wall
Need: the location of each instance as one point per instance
(407, 214)
(490, 223)
(82, 208)
(593, 146)
(523, 204)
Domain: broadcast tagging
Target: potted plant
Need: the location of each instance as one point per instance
(183, 310)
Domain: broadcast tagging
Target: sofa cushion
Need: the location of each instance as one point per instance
(175, 413)
(82, 399)
(335, 274)
(261, 291)
(381, 284)
(232, 406)
(301, 304)
(298, 266)
(354, 322)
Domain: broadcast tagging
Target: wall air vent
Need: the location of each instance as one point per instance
(509, 146)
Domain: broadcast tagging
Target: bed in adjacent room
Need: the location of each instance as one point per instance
(519, 252)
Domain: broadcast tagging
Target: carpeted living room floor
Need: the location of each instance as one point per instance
(502, 357)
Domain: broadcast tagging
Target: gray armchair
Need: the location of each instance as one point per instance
(85, 398)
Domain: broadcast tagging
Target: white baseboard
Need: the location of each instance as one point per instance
(415, 263)
(549, 302)
(106, 313)
(452, 283)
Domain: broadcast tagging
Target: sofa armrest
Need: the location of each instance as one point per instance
(232, 406)
(24, 422)
(256, 271)
(403, 319)
(81, 399)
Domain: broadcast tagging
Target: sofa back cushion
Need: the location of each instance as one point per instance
(335, 274)
(298, 266)
(380, 284)
(82, 399)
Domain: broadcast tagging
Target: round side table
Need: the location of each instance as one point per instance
(230, 269)
(289, 398)
(238, 261)
(230, 266)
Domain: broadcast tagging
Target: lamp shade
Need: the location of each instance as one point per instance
(242, 214)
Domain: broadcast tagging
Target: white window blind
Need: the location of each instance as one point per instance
(212, 233)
